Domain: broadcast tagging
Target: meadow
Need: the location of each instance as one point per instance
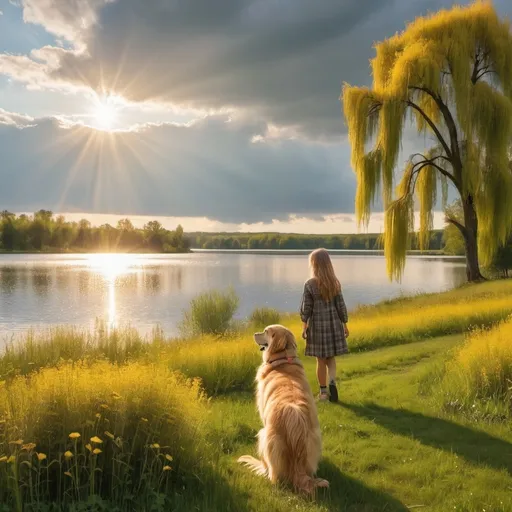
(99, 420)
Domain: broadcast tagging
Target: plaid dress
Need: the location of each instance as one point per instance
(325, 334)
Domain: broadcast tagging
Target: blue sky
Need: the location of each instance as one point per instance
(218, 115)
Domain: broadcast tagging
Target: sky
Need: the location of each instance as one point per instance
(221, 116)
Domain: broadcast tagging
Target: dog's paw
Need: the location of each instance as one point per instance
(321, 483)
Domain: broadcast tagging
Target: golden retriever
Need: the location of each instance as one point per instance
(290, 442)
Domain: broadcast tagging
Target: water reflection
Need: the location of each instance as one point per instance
(8, 279)
(146, 290)
(41, 280)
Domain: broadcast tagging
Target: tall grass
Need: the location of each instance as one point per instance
(210, 313)
(478, 380)
(222, 365)
(81, 433)
(411, 321)
(50, 347)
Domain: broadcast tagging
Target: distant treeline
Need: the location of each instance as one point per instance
(45, 232)
(299, 241)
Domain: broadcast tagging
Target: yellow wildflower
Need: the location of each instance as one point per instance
(144, 420)
(96, 451)
(41, 457)
(96, 440)
(104, 406)
(167, 468)
(12, 458)
(67, 473)
(18, 442)
(89, 447)
(29, 447)
(74, 435)
(98, 415)
(3, 458)
(156, 446)
(169, 458)
(68, 454)
(108, 434)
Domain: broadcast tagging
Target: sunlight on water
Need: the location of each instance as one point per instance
(110, 267)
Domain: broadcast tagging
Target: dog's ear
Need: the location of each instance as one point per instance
(282, 339)
(291, 344)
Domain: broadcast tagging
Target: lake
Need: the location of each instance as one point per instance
(146, 290)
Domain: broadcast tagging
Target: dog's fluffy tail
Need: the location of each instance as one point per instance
(253, 464)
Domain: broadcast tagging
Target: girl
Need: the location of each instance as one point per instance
(324, 316)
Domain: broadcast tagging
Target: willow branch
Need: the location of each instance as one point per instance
(454, 152)
(432, 125)
(457, 224)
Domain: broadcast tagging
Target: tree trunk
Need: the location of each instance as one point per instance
(470, 240)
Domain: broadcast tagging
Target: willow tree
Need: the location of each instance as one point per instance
(450, 74)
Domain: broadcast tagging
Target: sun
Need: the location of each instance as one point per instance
(105, 113)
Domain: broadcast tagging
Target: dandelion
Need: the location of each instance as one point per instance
(169, 458)
(96, 451)
(155, 446)
(67, 473)
(98, 415)
(167, 468)
(68, 454)
(18, 442)
(28, 447)
(41, 457)
(89, 447)
(96, 440)
(108, 434)
(74, 435)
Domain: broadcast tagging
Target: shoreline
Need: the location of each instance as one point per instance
(282, 252)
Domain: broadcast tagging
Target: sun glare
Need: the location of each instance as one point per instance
(105, 113)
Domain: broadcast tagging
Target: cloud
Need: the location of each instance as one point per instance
(69, 19)
(36, 70)
(14, 119)
(283, 61)
(209, 168)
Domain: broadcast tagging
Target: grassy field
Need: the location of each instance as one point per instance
(110, 421)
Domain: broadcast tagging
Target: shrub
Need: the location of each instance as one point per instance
(261, 317)
(126, 434)
(479, 378)
(210, 313)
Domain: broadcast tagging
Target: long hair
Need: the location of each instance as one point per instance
(323, 272)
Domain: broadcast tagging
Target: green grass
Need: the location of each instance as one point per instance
(388, 446)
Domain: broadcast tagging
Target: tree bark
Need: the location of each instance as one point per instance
(470, 235)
